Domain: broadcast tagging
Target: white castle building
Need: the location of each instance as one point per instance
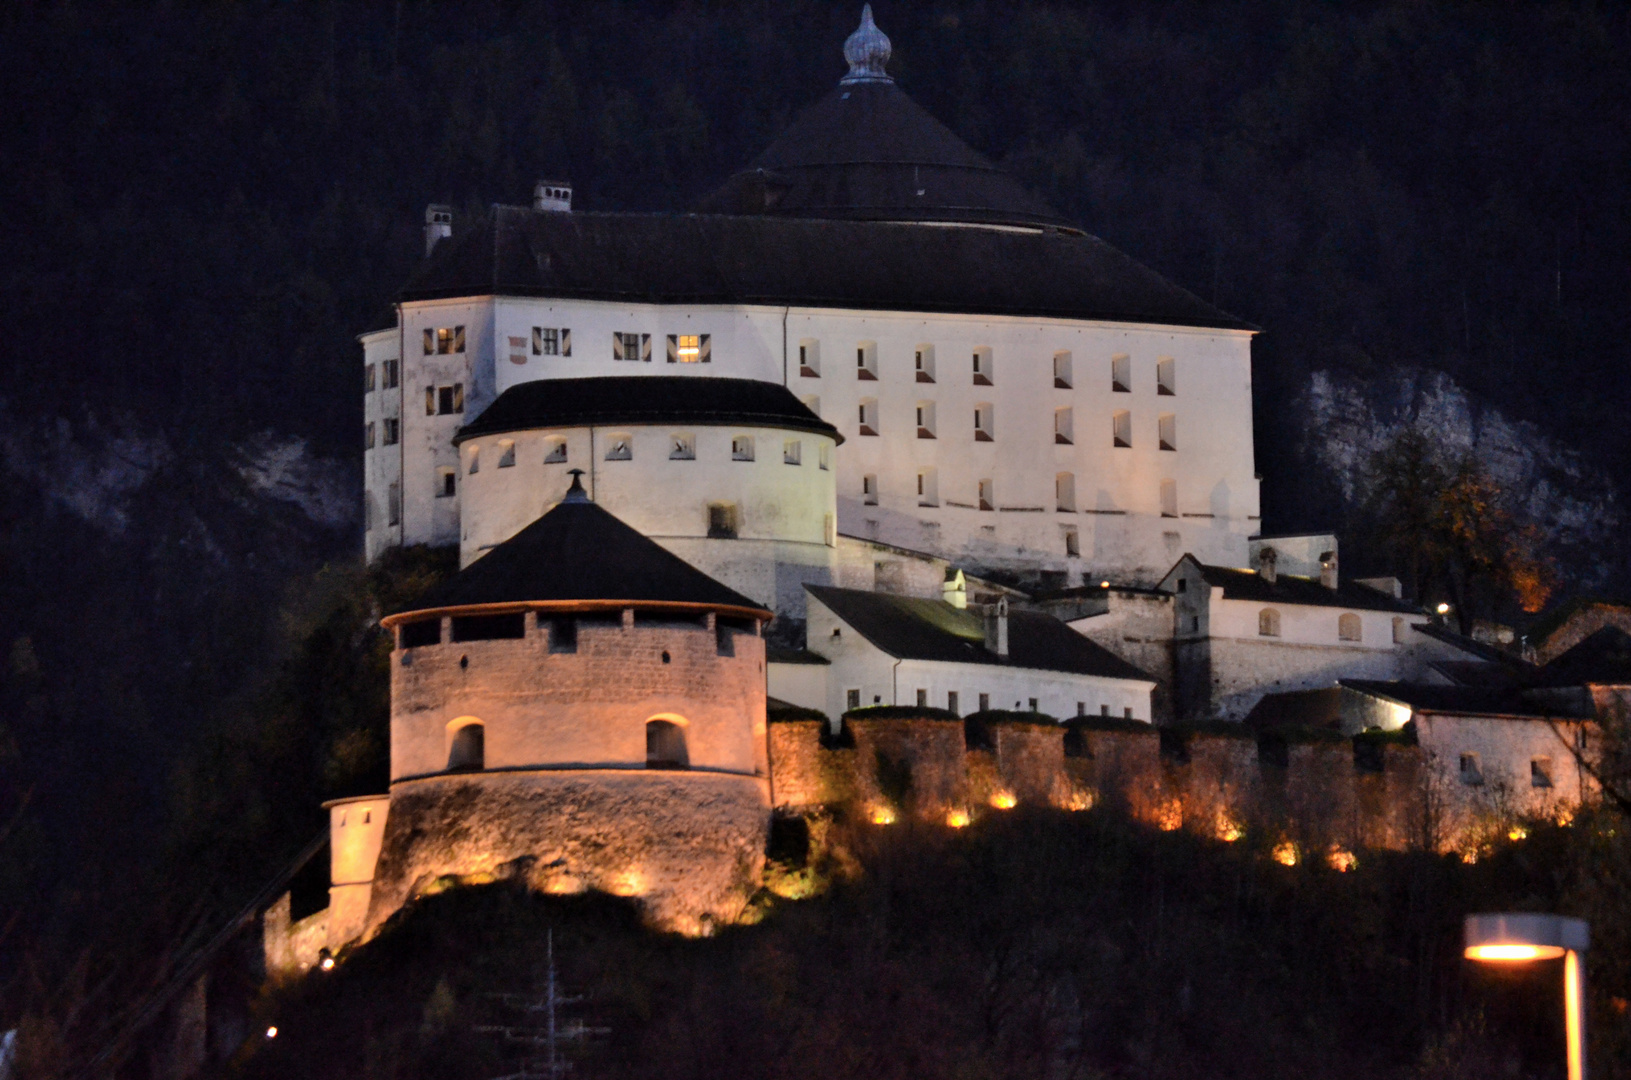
(983, 381)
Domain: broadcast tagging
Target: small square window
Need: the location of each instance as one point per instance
(546, 341)
(554, 451)
(388, 374)
(1031, 704)
(867, 415)
(1540, 772)
(506, 453)
(741, 447)
(869, 490)
(392, 433)
(1127, 713)
(722, 521)
(446, 483)
(449, 339)
(682, 446)
(620, 447)
(627, 346)
(450, 399)
(792, 452)
(689, 349)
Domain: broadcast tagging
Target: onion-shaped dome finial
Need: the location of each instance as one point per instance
(867, 51)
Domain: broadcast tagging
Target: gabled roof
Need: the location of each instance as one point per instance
(646, 399)
(1299, 591)
(579, 552)
(909, 628)
(1602, 658)
(706, 259)
(1466, 700)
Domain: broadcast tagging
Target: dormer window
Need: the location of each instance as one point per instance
(689, 348)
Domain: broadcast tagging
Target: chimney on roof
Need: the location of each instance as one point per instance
(954, 590)
(1328, 569)
(1266, 559)
(996, 628)
(554, 195)
(438, 225)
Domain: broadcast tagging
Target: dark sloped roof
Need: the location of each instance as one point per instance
(579, 552)
(1603, 658)
(1321, 708)
(909, 628)
(867, 151)
(1473, 647)
(1286, 589)
(1485, 700)
(1486, 673)
(645, 399)
(703, 259)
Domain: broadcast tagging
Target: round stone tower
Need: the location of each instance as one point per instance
(579, 709)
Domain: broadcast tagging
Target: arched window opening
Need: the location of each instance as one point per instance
(468, 749)
(1268, 622)
(1349, 628)
(665, 745)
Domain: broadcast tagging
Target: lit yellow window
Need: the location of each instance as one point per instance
(690, 348)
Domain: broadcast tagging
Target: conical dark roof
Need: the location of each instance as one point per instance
(868, 152)
(580, 552)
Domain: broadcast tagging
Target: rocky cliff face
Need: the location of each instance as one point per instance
(1344, 421)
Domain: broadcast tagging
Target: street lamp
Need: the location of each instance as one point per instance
(1513, 938)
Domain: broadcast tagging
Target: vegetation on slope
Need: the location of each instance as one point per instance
(1031, 944)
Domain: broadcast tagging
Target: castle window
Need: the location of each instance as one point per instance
(951, 701)
(1540, 772)
(546, 341)
(1073, 542)
(852, 699)
(823, 457)
(368, 379)
(867, 415)
(1064, 427)
(1472, 771)
(1121, 373)
(490, 627)
(665, 745)
(922, 699)
(392, 433)
(792, 452)
(563, 633)
(444, 340)
(987, 495)
(690, 348)
(631, 347)
(985, 702)
(1398, 630)
(467, 750)
(725, 631)
(1104, 710)
(554, 450)
(1061, 371)
(1064, 492)
(682, 446)
(388, 375)
(1167, 429)
(1166, 376)
(985, 422)
(923, 363)
(418, 634)
(928, 487)
(741, 447)
(368, 436)
(393, 504)
(1121, 428)
(722, 521)
(925, 419)
(506, 453)
(1349, 627)
(1169, 498)
(869, 489)
(620, 446)
(1268, 623)
(810, 359)
(446, 483)
(985, 367)
(444, 400)
(475, 461)
(866, 361)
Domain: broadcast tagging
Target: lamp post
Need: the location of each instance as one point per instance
(1518, 938)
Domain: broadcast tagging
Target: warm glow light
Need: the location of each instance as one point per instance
(882, 815)
(1444, 609)
(1341, 860)
(326, 963)
(628, 883)
(1004, 800)
(1104, 584)
(1079, 800)
(957, 819)
(271, 1032)
(1285, 853)
(1469, 856)
(1513, 954)
(1169, 816)
(1518, 832)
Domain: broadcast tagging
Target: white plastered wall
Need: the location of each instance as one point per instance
(382, 464)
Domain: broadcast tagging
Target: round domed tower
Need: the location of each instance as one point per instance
(579, 709)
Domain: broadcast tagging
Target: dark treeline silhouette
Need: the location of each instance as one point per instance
(203, 205)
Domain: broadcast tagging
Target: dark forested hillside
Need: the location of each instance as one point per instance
(203, 204)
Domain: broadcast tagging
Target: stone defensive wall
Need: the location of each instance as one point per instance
(689, 844)
(1311, 793)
